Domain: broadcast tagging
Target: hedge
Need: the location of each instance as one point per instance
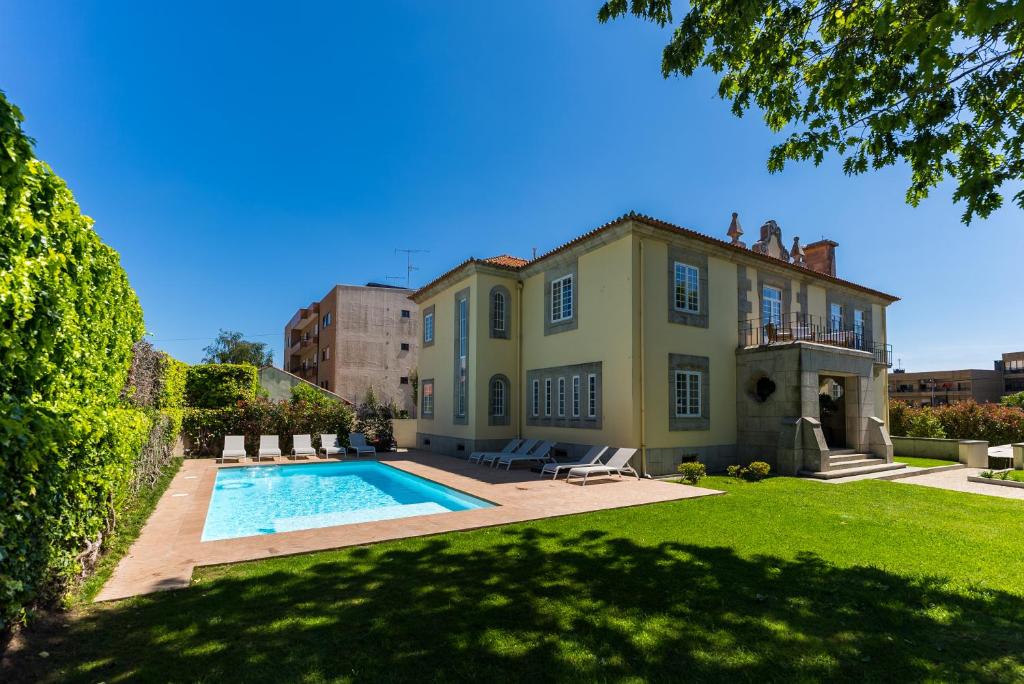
(204, 429)
(69, 440)
(219, 385)
(993, 423)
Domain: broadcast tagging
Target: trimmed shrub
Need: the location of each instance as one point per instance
(373, 419)
(994, 423)
(924, 423)
(218, 385)
(692, 472)
(755, 472)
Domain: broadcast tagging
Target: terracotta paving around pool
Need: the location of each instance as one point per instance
(169, 547)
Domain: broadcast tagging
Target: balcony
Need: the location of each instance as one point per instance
(757, 332)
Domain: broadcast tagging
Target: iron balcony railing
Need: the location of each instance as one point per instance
(798, 327)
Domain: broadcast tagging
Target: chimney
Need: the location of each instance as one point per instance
(821, 256)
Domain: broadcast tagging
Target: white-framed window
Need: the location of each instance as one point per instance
(592, 396)
(835, 317)
(687, 280)
(771, 306)
(561, 299)
(536, 398)
(428, 327)
(687, 393)
(858, 326)
(561, 397)
(461, 390)
(428, 399)
(547, 396)
(575, 396)
(498, 398)
(498, 312)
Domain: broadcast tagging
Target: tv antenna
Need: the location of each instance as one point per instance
(409, 268)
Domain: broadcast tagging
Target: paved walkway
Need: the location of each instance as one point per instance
(956, 480)
(169, 547)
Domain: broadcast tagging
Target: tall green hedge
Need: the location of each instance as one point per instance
(219, 385)
(68, 320)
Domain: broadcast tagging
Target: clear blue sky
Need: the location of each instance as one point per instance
(244, 157)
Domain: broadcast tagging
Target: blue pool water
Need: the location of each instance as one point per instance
(269, 499)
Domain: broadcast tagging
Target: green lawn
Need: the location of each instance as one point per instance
(781, 580)
(922, 462)
(1015, 475)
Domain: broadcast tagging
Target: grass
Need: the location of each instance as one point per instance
(1015, 475)
(922, 462)
(781, 580)
(129, 525)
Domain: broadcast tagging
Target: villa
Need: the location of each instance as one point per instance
(641, 333)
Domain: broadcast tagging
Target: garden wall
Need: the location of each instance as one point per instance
(405, 432)
(971, 452)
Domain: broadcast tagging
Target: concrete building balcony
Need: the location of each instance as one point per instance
(793, 328)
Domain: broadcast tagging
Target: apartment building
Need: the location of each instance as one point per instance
(355, 338)
(933, 388)
(1011, 366)
(641, 333)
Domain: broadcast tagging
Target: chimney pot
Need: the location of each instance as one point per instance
(821, 256)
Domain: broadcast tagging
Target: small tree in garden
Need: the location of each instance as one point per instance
(925, 424)
(373, 419)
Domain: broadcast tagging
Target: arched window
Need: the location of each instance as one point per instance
(499, 401)
(500, 306)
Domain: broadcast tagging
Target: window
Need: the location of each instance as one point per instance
(561, 299)
(771, 306)
(428, 398)
(535, 410)
(405, 346)
(327, 319)
(592, 396)
(404, 380)
(406, 313)
(428, 327)
(325, 353)
(498, 312)
(547, 396)
(687, 288)
(687, 392)
(498, 398)
(561, 397)
(858, 326)
(575, 396)
(460, 403)
(835, 317)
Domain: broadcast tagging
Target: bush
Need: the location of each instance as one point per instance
(1016, 400)
(306, 392)
(755, 472)
(994, 423)
(373, 419)
(924, 423)
(692, 472)
(218, 385)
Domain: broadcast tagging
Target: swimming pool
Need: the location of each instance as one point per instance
(257, 500)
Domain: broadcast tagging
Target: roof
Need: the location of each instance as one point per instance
(516, 264)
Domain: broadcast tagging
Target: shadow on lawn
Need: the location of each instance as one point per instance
(543, 606)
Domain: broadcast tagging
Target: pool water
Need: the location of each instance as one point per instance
(257, 500)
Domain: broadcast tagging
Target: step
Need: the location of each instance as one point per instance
(846, 458)
(864, 460)
(851, 472)
(841, 452)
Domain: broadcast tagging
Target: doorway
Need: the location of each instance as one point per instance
(832, 410)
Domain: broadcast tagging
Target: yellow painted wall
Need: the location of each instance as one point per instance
(492, 356)
(816, 302)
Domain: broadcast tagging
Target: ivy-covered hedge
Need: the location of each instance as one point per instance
(218, 385)
(204, 429)
(69, 441)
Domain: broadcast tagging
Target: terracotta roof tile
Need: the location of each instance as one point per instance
(507, 260)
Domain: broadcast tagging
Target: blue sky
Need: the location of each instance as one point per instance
(244, 157)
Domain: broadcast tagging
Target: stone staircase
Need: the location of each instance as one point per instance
(848, 463)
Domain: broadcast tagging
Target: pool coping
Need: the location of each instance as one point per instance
(169, 548)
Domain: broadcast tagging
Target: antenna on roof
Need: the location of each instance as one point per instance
(409, 268)
(534, 252)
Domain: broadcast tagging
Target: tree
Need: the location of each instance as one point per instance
(938, 84)
(229, 347)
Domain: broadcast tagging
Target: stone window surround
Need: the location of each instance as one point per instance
(507, 332)
(780, 283)
(702, 365)
(491, 418)
(570, 268)
(429, 311)
(583, 370)
(698, 260)
(850, 302)
(456, 418)
(423, 393)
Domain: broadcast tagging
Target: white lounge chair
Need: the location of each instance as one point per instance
(491, 457)
(357, 443)
(541, 453)
(329, 446)
(554, 468)
(617, 463)
(270, 446)
(302, 445)
(234, 448)
(508, 449)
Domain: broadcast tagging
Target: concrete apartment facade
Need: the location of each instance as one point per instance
(1012, 368)
(644, 334)
(934, 388)
(355, 338)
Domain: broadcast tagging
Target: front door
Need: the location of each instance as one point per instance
(832, 406)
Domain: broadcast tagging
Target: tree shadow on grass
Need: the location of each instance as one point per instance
(546, 606)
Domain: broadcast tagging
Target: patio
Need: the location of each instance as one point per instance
(169, 548)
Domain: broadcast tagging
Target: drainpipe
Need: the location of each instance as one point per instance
(643, 392)
(519, 360)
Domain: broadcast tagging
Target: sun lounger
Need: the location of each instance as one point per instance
(270, 446)
(509, 448)
(234, 448)
(302, 445)
(491, 457)
(357, 443)
(554, 468)
(617, 464)
(329, 445)
(541, 453)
